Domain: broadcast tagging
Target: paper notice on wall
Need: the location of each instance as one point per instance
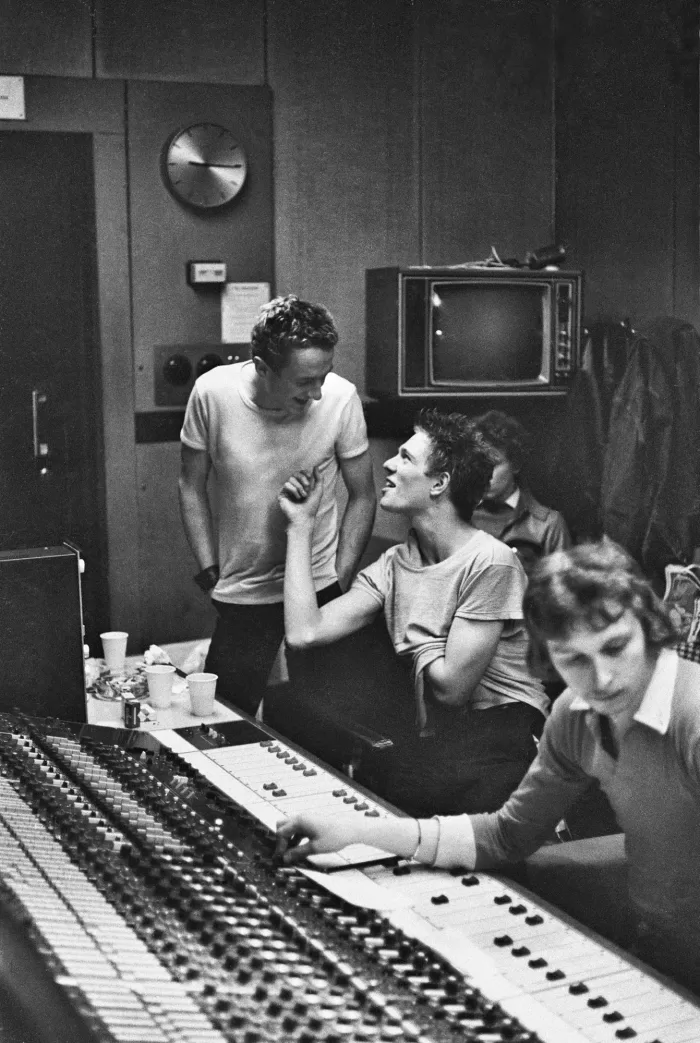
(12, 98)
(240, 308)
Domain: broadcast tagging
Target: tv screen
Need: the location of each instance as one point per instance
(486, 332)
(466, 331)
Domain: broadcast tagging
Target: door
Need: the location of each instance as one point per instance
(51, 459)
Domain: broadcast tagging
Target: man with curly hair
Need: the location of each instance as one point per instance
(252, 424)
(465, 707)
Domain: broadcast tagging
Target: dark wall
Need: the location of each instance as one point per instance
(406, 134)
(627, 154)
(485, 92)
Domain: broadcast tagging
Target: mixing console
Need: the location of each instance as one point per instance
(273, 780)
(146, 889)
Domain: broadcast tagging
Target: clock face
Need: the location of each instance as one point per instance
(204, 166)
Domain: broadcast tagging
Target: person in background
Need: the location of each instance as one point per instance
(253, 424)
(630, 718)
(465, 705)
(509, 511)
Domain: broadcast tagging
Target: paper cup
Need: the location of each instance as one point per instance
(160, 684)
(202, 688)
(114, 648)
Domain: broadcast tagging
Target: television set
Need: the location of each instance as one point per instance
(469, 331)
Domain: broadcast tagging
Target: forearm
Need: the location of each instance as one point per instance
(446, 841)
(449, 687)
(353, 537)
(553, 782)
(470, 646)
(301, 612)
(398, 836)
(197, 522)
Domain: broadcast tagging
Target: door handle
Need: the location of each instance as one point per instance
(41, 447)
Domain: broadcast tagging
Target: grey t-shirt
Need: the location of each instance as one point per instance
(484, 580)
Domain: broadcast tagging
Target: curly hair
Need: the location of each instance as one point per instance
(458, 449)
(506, 434)
(593, 583)
(287, 323)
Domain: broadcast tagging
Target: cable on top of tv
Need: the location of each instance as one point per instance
(544, 257)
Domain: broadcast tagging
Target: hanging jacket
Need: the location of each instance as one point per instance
(577, 455)
(650, 493)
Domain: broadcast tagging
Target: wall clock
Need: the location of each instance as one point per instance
(204, 166)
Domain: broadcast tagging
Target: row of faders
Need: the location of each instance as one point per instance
(158, 909)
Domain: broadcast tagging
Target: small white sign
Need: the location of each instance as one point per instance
(203, 272)
(12, 98)
(240, 307)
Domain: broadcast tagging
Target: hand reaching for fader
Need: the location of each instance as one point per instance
(305, 835)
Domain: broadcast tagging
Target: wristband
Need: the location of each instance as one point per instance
(419, 841)
(207, 579)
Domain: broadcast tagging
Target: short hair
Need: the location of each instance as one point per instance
(505, 434)
(287, 323)
(593, 583)
(460, 451)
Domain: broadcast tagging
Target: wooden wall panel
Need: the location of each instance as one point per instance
(172, 606)
(627, 171)
(165, 234)
(71, 105)
(486, 128)
(208, 41)
(117, 382)
(345, 158)
(45, 38)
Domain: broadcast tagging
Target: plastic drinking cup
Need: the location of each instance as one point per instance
(202, 689)
(114, 648)
(160, 679)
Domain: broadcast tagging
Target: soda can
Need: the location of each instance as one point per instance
(132, 710)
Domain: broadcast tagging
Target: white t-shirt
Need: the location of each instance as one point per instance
(253, 452)
(484, 580)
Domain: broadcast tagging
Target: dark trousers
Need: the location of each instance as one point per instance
(471, 763)
(671, 952)
(244, 645)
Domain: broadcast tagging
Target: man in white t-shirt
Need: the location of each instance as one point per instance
(252, 424)
(467, 707)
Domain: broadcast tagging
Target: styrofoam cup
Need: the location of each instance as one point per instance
(114, 648)
(202, 689)
(160, 679)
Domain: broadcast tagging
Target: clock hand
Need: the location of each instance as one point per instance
(201, 163)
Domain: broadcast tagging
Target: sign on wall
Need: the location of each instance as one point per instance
(12, 98)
